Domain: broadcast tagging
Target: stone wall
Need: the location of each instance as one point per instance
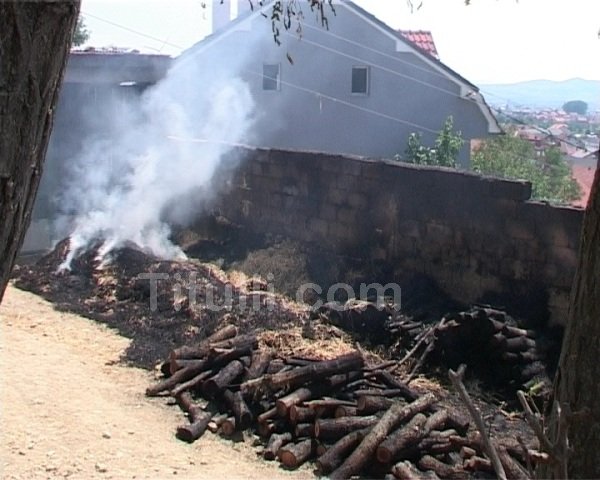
(480, 239)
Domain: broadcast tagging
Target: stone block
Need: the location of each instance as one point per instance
(357, 200)
(337, 197)
(511, 189)
(351, 167)
(565, 257)
(276, 170)
(347, 215)
(318, 227)
(327, 212)
(347, 182)
(518, 229)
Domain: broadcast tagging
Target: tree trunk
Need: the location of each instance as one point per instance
(576, 383)
(34, 47)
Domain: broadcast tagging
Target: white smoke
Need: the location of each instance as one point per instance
(132, 174)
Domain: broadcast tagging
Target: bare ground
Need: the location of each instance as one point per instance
(70, 409)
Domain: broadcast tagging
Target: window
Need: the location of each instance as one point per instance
(360, 80)
(271, 76)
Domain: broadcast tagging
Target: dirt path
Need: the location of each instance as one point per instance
(70, 410)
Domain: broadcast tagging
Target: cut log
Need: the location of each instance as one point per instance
(302, 375)
(216, 422)
(467, 452)
(193, 383)
(380, 393)
(266, 429)
(296, 397)
(331, 403)
(437, 421)
(301, 414)
(513, 469)
(321, 448)
(345, 411)
(409, 434)
(292, 455)
(241, 412)
(397, 413)
(267, 415)
(531, 356)
(195, 367)
(275, 366)
(457, 420)
(193, 431)
(441, 469)
(178, 364)
(336, 428)
(180, 376)
(304, 430)
(368, 404)
(276, 441)
(335, 455)
(228, 427)
(186, 352)
(342, 379)
(406, 471)
(215, 384)
(519, 344)
(478, 464)
(258, 365)
(198, 418)
(299, 362)
(392, 382)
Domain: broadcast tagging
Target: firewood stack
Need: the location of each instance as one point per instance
(492, 345)
(348, 418)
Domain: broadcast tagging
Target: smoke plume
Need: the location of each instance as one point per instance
(135, 174)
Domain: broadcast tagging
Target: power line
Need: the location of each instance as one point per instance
(353, 57)
(321, 95)
(131, 30)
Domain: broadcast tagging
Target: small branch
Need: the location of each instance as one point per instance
(535, 424)
(457, 380)
(527, 456)
(422, 340)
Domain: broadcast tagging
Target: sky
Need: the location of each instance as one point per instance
(490, 41)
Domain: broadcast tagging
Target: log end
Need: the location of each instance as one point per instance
(228, 427)
(185, 433)
(288, 459)
(383, 455)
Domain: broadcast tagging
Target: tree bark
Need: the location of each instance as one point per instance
(34, 48)
(576, 384)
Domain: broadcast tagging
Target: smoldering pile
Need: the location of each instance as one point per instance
(301, 386)
(159, 304)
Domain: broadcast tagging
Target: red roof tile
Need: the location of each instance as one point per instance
(585, 179)
(422, 39)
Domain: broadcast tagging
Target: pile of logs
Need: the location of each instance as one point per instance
(348, 418)
(491, 344)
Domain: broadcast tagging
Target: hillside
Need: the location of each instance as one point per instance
(544, 93)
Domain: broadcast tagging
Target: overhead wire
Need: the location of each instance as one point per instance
(131, 30)
(362, 60)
